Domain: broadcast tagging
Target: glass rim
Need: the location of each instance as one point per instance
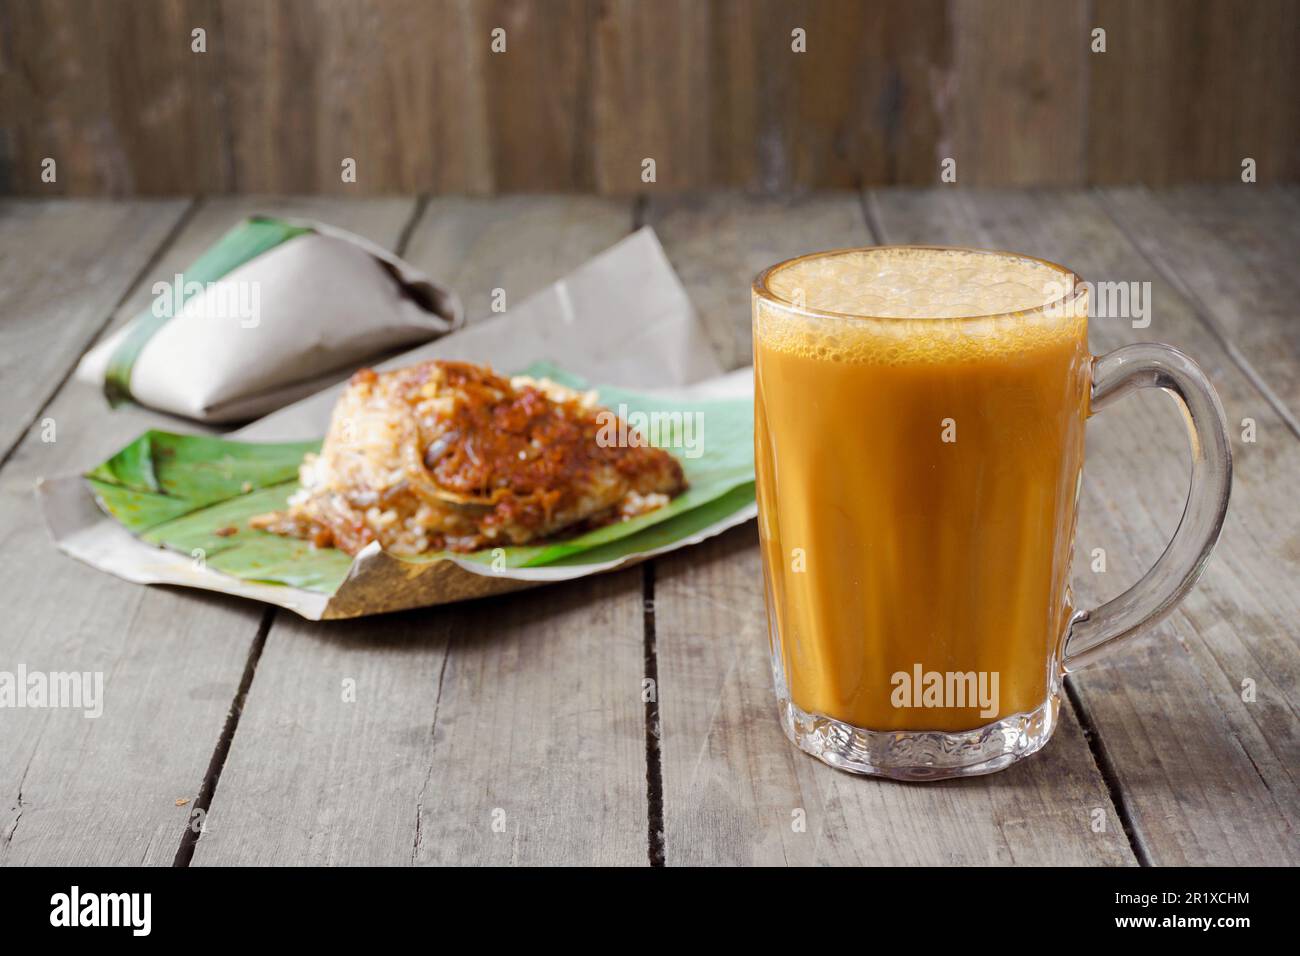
(761, 289)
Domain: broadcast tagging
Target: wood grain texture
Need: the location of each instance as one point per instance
(718, 94)
(500, 732)
(1017, 94)
(519, 244)
(326, 756)
(106, 790)
(310, 92)
(114, 94)
(587, 89)
(647, 81)
(411, 90)
(1207, 777)
(718, 243)
(539, 93)
(559, 757)
(1189, 88)
(1231, 251)
(63, 268)
(102, 790)
(733, 786)
(864, 103)
(523, 711)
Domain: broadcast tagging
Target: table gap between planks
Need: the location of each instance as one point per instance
(515, 731)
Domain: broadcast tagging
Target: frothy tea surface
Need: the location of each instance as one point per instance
(918, 283)
(899, 295)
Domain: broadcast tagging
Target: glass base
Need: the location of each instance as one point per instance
(919, 754)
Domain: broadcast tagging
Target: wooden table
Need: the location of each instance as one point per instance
(514, 731)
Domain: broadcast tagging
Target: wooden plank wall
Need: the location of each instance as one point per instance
(587, 89)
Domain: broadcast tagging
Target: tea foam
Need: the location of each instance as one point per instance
(889, 302)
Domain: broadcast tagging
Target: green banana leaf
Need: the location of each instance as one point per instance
(195, 494)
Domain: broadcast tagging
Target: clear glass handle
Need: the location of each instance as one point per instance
(1146, 603)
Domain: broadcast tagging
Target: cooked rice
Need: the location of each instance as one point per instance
(449, 455)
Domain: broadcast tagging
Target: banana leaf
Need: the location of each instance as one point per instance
(194, 494)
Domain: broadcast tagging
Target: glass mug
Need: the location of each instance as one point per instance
(919, 442)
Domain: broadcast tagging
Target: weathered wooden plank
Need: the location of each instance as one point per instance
(1207, 776)
(505, 732)
(330, 761)
(539, 741)
(1231, 251)
(523, 711)
(63, 268)
(718, 242)
(566, 759)
(639, 64)
(895, 55)
(1186, 90)
(306, 98)
(115, 95)
(1016, 93)
(106, 790)
(518, 244)
(537, 92)
(434, 106)
(728, 94)
(734, 788)
(584, 91)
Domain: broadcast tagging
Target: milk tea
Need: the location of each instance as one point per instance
(919, 430)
